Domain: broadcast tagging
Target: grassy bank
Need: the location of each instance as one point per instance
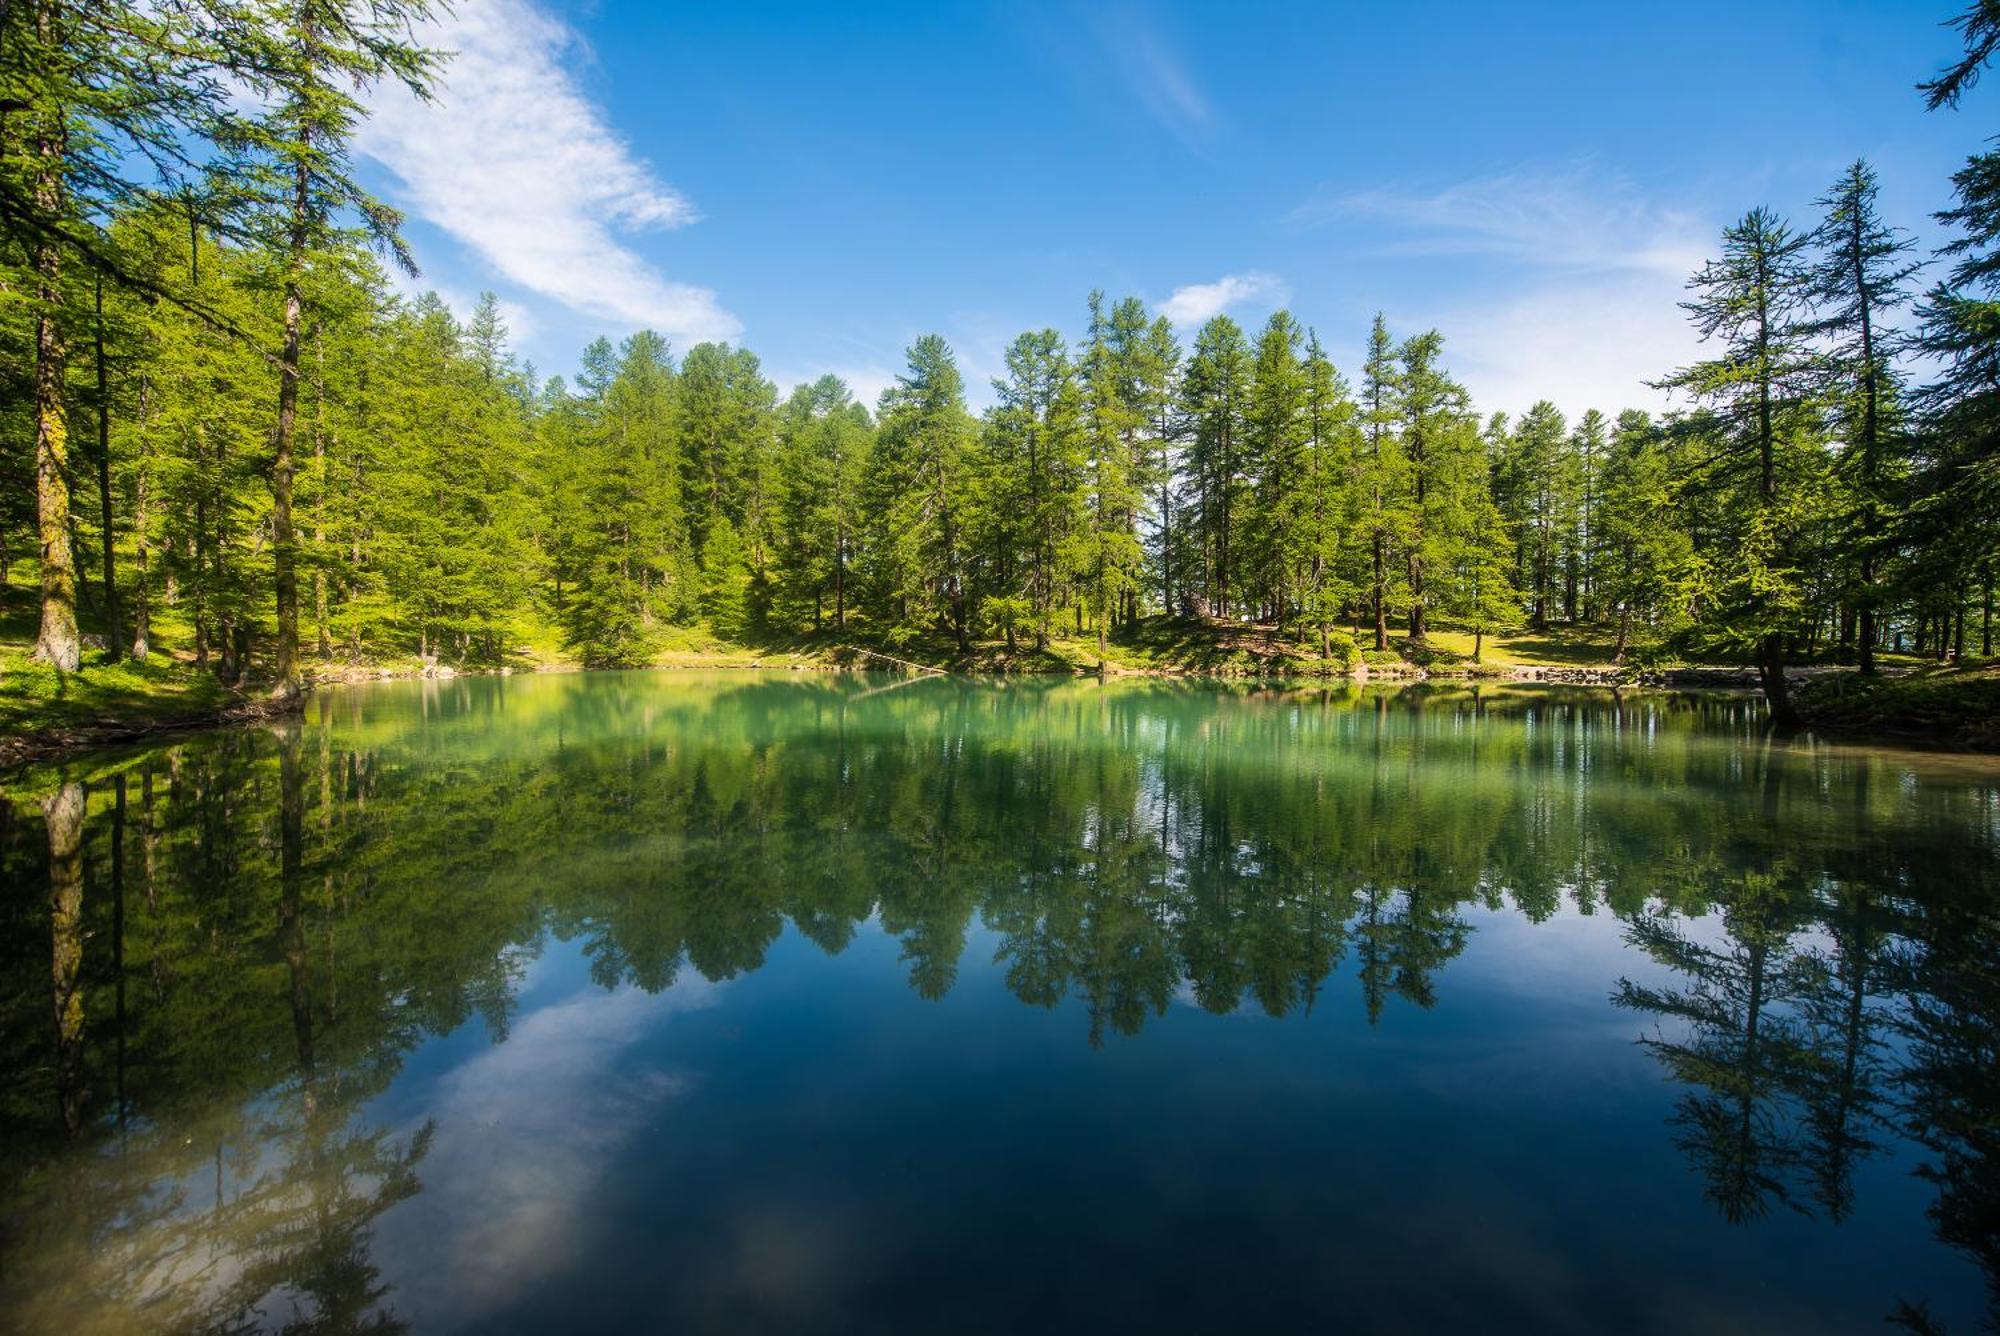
(1956, 706)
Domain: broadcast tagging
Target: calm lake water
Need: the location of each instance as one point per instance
(789, 1003)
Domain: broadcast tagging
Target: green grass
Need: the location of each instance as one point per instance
(36, 699)
(1959, 706)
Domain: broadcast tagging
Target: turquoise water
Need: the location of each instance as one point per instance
(801, 1002)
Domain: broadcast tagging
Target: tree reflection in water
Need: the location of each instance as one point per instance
(241, 956)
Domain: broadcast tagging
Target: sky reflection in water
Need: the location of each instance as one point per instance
(802, 1002)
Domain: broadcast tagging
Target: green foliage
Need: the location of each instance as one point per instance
(417, 492)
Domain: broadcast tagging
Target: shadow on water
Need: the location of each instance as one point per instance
(218, 952)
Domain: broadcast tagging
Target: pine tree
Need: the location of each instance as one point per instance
(1324, 505)
(1111, 561)
(108, 104)
(825, 441)
(916, 489)
(1274, 441)
(1537, 486)
(1383, 475)
(1764, 472)
(1587, 444)
(311, 61)
(1214, 396)
(1439, 440)
(1861, 277)
(1036, 498)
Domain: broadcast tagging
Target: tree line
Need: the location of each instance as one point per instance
(281, 460)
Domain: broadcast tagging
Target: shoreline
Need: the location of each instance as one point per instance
(18, 751)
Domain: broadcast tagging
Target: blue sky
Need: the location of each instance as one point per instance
(825, 182)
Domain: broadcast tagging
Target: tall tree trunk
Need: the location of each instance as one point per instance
(840, 583)
(286, 684)
(142, 608)
(1381, 600)
(325, 645)
(1986, 616)
(57, 642)
(114, 634)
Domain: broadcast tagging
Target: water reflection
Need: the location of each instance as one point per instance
(220, 954)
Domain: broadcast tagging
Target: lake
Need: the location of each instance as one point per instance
(808, 1002)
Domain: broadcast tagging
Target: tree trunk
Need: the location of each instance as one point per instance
(1986, 616)
(142, 619)
(1777, 691)
(114, 634)
(285, 682)
(840, 586)
(57, 642)
(319, 506)
(1381, 603)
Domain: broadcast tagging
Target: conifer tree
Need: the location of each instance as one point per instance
(1861, 277)
(916, 490)
(1111, 560)
(1382, 474)
(1214, 396)
(1642, 548)
(825, 439)
(1274, 437)
(1439, 440)
(310, 61)
(1764, 475)
(1324, 505)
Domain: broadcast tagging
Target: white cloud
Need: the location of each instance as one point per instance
(1191, 305)
(1573, 280)
(1586, 343)
(512, 160)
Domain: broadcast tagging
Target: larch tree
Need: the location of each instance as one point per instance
(1382, 474)
(1439, 439)
(310, 62)
(1274, 438)
(1111, 561)
(916, 490)
(1753, 302)
(1861, 277)
(106, 104)
(1214, 395)
(1325, 503)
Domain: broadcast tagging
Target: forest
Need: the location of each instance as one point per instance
(229, 441)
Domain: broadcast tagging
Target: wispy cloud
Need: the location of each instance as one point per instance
(1153, 71)
(1574, 218)
(515, 162)
(1191, 305)
(1570, 279)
